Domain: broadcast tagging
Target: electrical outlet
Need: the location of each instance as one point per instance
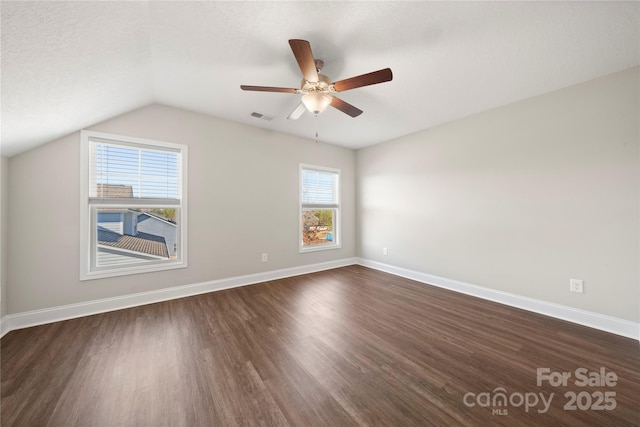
(385, 251)
(576, 285)
(265, 257)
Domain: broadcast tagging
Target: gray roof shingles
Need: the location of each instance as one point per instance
(142, 242)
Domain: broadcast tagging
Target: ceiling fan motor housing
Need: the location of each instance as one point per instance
(323, 85)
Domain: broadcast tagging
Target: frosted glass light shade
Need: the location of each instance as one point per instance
(316, 102)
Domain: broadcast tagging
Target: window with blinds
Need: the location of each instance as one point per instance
(133, 205)
(319, 208)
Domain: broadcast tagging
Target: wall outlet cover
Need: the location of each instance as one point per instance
(576, 285)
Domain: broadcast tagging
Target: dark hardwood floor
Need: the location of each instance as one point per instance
(350, 346)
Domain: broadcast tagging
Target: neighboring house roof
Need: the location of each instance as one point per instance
(142, 242)
(114, 190)
(158, 217)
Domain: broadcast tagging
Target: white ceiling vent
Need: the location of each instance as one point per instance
(262, 116)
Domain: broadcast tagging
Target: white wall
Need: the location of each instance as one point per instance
(243, 200)
(518, 199)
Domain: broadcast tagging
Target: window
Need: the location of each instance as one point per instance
(319, 208)
(133, 205)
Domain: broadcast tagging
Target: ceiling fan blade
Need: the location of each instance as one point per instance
(372, 78)
(299, 111)
(268, 89)
(345, 107)
(302, 51)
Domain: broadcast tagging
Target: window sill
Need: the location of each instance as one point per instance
(319, 248)
(127, 271)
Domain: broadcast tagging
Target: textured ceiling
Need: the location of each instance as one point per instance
(68, 65)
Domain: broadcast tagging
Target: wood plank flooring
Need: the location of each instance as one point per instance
(350, 346)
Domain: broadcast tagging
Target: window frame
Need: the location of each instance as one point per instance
(336, 207)
(88, 208)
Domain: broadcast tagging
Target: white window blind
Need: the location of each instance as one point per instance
(126, 171)
(319, 189)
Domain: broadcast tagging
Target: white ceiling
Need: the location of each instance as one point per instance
(68, 65)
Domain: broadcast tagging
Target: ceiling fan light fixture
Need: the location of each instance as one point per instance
(316, 102)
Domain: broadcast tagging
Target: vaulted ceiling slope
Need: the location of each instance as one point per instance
(67, 65)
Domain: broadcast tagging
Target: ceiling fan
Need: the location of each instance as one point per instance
(317, 89)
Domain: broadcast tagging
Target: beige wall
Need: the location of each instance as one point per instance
(519, 199)
(4, 182)
(243, 201)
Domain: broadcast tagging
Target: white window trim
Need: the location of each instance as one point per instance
(87, 221)
(337, 243)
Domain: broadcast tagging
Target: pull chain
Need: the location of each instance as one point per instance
(316, 128)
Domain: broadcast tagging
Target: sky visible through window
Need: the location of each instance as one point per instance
(150, 173)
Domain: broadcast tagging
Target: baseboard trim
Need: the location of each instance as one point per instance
(3, 326)
(55, 314)
(602, 322)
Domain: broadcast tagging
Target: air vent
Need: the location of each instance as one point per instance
(262, 116)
